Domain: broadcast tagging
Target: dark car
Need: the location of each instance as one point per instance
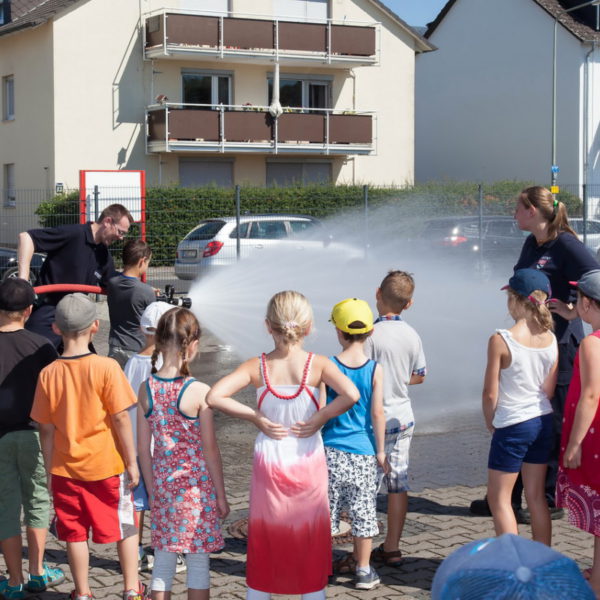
(9, 267)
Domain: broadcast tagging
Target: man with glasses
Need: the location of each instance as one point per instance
(76, 254)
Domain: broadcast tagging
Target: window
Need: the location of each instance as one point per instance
(289, 173)
(243, 231)
(304, 229)
(206, 231)
(197, 172)
(8, 98)
(301, 10)
(206, 87)
(4, 12)
(302, 93)
(210, 7)
(10, 193)
(267, 230)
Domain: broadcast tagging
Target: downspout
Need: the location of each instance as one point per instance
(586, 112)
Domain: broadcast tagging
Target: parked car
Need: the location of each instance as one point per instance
(9, 268)
(212, 243)
(593, 232)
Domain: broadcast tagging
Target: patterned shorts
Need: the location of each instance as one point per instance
(353, 486)
(397, 446)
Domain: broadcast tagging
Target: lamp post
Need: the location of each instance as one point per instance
(554, 168)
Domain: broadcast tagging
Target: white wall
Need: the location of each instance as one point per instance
(593, 132)
(484, 98)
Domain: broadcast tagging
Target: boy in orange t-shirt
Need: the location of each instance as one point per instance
(81, 403)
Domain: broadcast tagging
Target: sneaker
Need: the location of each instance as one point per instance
(367, 581)
(139, 594)
(75, 596)
(480, 508)
(51, 576)
(146, 562)
(181, 565)
(12, 592)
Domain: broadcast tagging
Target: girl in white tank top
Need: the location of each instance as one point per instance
(519, 382)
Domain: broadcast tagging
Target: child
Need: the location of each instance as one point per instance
(127, 298)
(184, 477)
(354, 441)
(397, 347)
(137, 370)
(578, 485)
(519, 381)
(289, 537)
(81, 403)
(23, 354)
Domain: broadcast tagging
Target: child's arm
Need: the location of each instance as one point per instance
(144, 441)
(47, 443)
(550, 382)
(378, 418)
(212, 455)
(416, 378)
(220, 394)
(121, 423)
(589, 358)
(496, 347)
(347, 396)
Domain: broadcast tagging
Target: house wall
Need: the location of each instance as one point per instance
(26, 141)
(592, 132)
(484, 98)
(99, 82)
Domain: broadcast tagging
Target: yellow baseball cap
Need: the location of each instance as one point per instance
(349, 311)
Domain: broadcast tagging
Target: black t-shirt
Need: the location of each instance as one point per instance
(72, 256)
(23, 354)
(563, 259)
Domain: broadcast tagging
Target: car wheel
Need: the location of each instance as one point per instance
(14, 272)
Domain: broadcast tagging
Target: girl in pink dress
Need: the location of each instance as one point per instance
(578, 482)
(184, 476)
(289, 536)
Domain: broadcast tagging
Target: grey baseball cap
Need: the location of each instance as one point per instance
(75, 312)
(589, 284)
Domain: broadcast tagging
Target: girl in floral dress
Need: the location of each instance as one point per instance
(289, 539)
(578, 482)
(184, 477)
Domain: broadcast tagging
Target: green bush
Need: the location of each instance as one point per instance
(171, 212)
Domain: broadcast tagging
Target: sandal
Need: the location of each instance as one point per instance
(587, 573)
(346, 564)
(391, 559)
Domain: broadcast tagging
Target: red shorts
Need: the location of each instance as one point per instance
(105, 507)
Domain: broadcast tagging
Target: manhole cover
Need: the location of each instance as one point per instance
(239, 530)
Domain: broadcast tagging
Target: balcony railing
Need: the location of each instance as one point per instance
(187, 35)
(233, 128)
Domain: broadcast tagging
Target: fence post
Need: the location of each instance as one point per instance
(366, 202)
(585, 213)
(480, 203)
(237, 222)
(96, 194)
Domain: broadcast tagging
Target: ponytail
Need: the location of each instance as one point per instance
(554, 211)
(534, 307)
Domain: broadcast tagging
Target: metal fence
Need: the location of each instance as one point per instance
(360, 215)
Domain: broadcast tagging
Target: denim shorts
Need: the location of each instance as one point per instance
(527, 442)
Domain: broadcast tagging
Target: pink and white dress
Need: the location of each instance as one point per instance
(289, 535)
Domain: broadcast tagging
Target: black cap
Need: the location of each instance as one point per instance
(15, 294)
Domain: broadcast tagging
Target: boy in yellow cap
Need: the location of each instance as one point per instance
(354, 441)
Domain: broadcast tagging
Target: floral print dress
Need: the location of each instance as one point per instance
(184, 514)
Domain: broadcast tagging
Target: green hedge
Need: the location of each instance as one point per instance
(173, 211)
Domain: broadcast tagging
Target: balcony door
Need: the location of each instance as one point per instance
(300, 10)
(302, 93)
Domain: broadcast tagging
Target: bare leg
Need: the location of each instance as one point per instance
(594, 580)
(198, 594)
(141, 527)
(12, 548)
(36, 543)
(534, 483)
(156, 595)
(362, 551)
(79, 561)
(128, 557)
(396, 516)
(499, 491)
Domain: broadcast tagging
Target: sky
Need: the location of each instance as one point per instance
(416, 12)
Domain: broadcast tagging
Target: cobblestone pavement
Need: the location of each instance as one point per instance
(448, 472)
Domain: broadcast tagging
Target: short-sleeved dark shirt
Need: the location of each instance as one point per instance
(563, 259)
(23, 354)
(72, 256)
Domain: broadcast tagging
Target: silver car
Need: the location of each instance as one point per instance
(592, 232)
(212, 243)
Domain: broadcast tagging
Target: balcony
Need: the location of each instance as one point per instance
(178, 35)
(232, 129)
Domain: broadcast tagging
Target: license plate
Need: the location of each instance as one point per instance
(189, 253)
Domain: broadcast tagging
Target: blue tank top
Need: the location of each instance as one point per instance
(353, 431)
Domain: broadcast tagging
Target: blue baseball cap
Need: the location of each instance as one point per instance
(526, 281)
(509, 567)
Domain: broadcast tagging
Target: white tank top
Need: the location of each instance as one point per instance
(520, 394)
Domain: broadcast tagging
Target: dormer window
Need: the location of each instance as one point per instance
(4, 12)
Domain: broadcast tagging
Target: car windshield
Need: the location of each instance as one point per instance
(205, 231)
